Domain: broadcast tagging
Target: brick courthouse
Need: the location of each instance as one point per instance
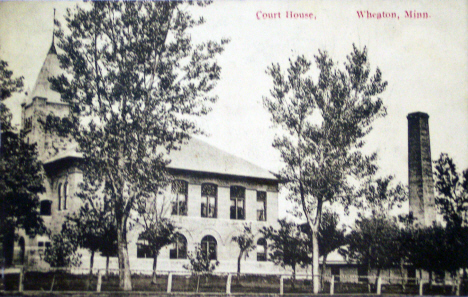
(212, 196)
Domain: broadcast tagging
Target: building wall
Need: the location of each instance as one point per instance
(192, 226)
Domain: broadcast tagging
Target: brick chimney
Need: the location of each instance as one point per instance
(421, 182)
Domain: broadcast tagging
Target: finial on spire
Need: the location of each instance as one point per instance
(52, 49)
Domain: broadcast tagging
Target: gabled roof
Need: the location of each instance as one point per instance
(42, 88)
(199, 156)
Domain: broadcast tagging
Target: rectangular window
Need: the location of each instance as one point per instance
(209, 201)
(143, 249)
(362, 274)
(180, 196)
(237, 203)
(335, 270)
(261, 206)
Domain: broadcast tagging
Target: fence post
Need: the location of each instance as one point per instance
(169, 282)
(332, 285)
(20, 286)
(421, 285)
(228, 284)
(379, 285)
(99, 281)
(282, 285)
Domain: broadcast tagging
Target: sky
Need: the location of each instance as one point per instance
(424, 60)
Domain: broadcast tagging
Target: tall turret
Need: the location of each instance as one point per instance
(421, 182)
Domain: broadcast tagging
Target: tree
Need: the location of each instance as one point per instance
(135, 83)
(330, 237)
(92, 227)
(62, 252)
(8, 84)
(245, 241)
(21, 178)
(158, 230)
(200, 262)
(324, 122)
(287, 245)
(374, 243)
(452, 190)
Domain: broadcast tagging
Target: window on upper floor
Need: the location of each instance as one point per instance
(46, 208)
(179, 248)
(237, 203)
(59, 194)
(180, 197)
(209, 200)
(261, 206)
(261, 250)
(65, 190)
(209, 246)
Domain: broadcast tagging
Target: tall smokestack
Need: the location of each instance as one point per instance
(421, 182)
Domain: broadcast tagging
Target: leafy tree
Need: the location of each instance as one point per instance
(374, 243)
(92, 227)
(287, 246)
(245, 241)
(135, 83)
(379, 196)
(21, 179)
(62, 252)
(331, 237)
(452, 190)
(200, 262)
(437, 248)
(158, 230)
(324, 122)
(8, 84)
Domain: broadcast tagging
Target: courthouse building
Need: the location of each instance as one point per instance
(213, 194)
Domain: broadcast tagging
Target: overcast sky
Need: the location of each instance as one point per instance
(425, 62)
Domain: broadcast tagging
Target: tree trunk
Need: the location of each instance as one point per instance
(239, 264)
(403, 279)
(155, 265)
(91, 265)
(125, 282)
(324, 267)
(315, 261)
(107, 267)
(377, 278)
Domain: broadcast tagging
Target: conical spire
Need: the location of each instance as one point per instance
(52, 49)
(50, 68)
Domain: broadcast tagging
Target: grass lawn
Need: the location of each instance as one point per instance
(61, 281)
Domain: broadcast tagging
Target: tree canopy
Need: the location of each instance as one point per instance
(322, 117)
(135, 82)
(21, 178)
(451, 190)
(287, 246)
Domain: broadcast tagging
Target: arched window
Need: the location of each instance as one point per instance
(261, 249)
(209, 246)
(179, 248)
(59, 191)
(65, 190)
(46, 206)
(180, 192)
(209, 203)
(237, 203)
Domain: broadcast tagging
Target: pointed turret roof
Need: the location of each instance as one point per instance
(50, 68)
